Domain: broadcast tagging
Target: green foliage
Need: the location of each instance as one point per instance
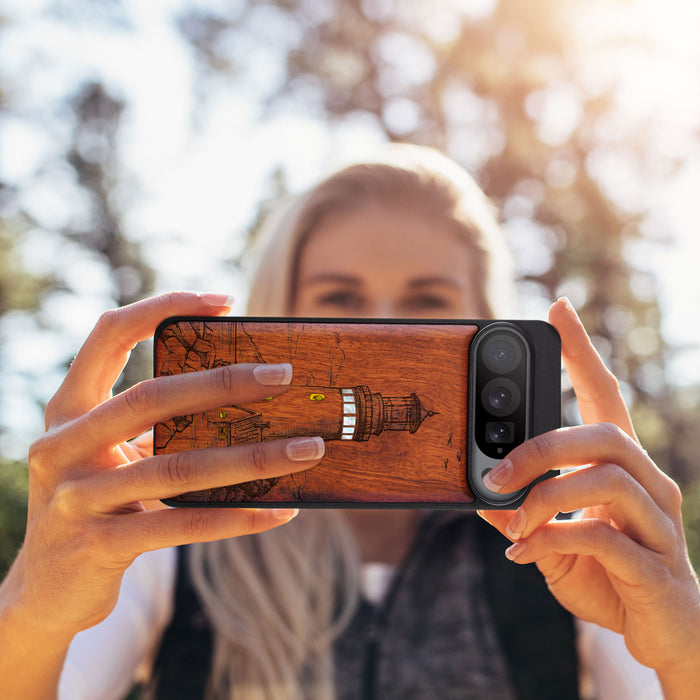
(18, 289)
(691, 521)
(14, 484)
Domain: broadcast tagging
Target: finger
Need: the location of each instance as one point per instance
(156, 529)
(138, 448)
(131, 452)
(497, 518)
(143, 444)
(579, 445)
(596, 388)
(165, 476)
(102, 357)
(607, 486)
(140, 407)
(614, 550)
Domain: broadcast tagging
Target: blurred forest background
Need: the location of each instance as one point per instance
(580, 119)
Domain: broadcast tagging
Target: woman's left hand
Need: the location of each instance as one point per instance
(623, 564)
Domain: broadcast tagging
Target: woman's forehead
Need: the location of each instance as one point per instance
(383, 235)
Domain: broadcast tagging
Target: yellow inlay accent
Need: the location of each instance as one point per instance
(222, 432)
(316, 397)
(222, 414)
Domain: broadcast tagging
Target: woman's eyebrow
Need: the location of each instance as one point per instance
(332, 277)
(433, 281)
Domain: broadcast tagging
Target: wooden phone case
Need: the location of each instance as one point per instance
(389, 399)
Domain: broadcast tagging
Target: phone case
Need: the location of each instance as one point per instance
(390, 399)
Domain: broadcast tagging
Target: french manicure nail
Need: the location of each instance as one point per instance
(305, 449)
(273, 375)
(569, 306)
(285, 514)
(517, 525)
(218, 299)
(515, 550)
(498, 477)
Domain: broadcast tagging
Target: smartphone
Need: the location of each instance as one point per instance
(413, 413)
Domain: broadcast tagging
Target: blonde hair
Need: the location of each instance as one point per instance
(277, 600)
(404, 175)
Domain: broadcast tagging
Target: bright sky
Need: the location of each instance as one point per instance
(195, 188)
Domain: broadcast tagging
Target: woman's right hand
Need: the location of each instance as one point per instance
(88, 516)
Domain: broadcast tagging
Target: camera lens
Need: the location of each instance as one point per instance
(499, 432)
(500, 396)
(502, 353)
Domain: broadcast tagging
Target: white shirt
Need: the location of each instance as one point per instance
(104, 661)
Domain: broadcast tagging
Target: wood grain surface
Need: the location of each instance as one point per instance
(390, 400)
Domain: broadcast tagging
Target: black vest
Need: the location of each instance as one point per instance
(417, 645)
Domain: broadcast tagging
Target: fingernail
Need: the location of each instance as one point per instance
(569, 306)
(516, 525)
(515, 550)
(285, 514)
(305, 449)
(218, 299)
(273, 375)
(498, 477)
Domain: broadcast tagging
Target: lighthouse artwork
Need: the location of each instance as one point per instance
(395, 429)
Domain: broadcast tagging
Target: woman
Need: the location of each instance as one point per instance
(410, 237)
